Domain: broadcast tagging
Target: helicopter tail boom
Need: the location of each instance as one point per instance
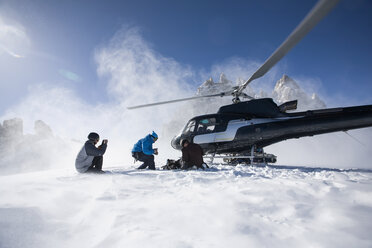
(307, 123)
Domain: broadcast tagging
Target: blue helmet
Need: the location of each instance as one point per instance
(154, 135)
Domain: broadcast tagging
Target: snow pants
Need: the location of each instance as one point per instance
(96, 166)
(148, 160)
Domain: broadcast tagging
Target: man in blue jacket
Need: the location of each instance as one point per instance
(90, 157)
(144, 152)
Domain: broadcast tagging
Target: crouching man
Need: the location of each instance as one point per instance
(143, 151)
(192, 155)
(90, 157)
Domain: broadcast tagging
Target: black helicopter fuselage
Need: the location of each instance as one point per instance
(237, 127)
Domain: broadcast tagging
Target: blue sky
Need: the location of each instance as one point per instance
(54, 42)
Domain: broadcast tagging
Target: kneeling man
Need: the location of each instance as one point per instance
(90, 157)
(192, 155)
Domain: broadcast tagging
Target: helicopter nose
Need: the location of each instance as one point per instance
(175, 143)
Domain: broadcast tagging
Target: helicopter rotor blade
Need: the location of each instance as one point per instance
(180, 100)
(320, 10)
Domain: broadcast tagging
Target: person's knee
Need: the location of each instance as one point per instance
(149, 158)
(99, 157)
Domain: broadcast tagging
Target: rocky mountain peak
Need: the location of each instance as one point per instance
(287, 89)
(224, 80)
(286, 82)
(210, 87)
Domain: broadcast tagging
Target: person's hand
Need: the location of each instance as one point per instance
(104, 141)
(156, 151)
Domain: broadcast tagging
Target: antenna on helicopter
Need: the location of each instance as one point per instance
(319, 11)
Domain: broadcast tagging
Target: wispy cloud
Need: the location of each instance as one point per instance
(137, 72)
(13, 39)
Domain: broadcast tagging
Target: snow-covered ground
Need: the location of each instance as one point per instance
(225, 206)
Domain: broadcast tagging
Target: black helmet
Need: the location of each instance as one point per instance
(93, 136)
(183, 141)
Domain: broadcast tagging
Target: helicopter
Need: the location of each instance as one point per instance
(238, 132)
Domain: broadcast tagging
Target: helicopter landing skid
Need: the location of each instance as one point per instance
(256, 156)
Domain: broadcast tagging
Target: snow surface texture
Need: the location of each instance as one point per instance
(222, 207)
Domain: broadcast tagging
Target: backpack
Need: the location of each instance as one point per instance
(172, 164)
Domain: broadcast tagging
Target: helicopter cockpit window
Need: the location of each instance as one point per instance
(206, 125)
(190, 128)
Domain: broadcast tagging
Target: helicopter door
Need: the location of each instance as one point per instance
(205, 131)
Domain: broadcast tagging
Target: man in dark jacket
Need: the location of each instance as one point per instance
(144, 152)
(192, 155)
(90, 157)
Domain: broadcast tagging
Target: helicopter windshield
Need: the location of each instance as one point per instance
(200, 126)
(206, 125)
(190, 128)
